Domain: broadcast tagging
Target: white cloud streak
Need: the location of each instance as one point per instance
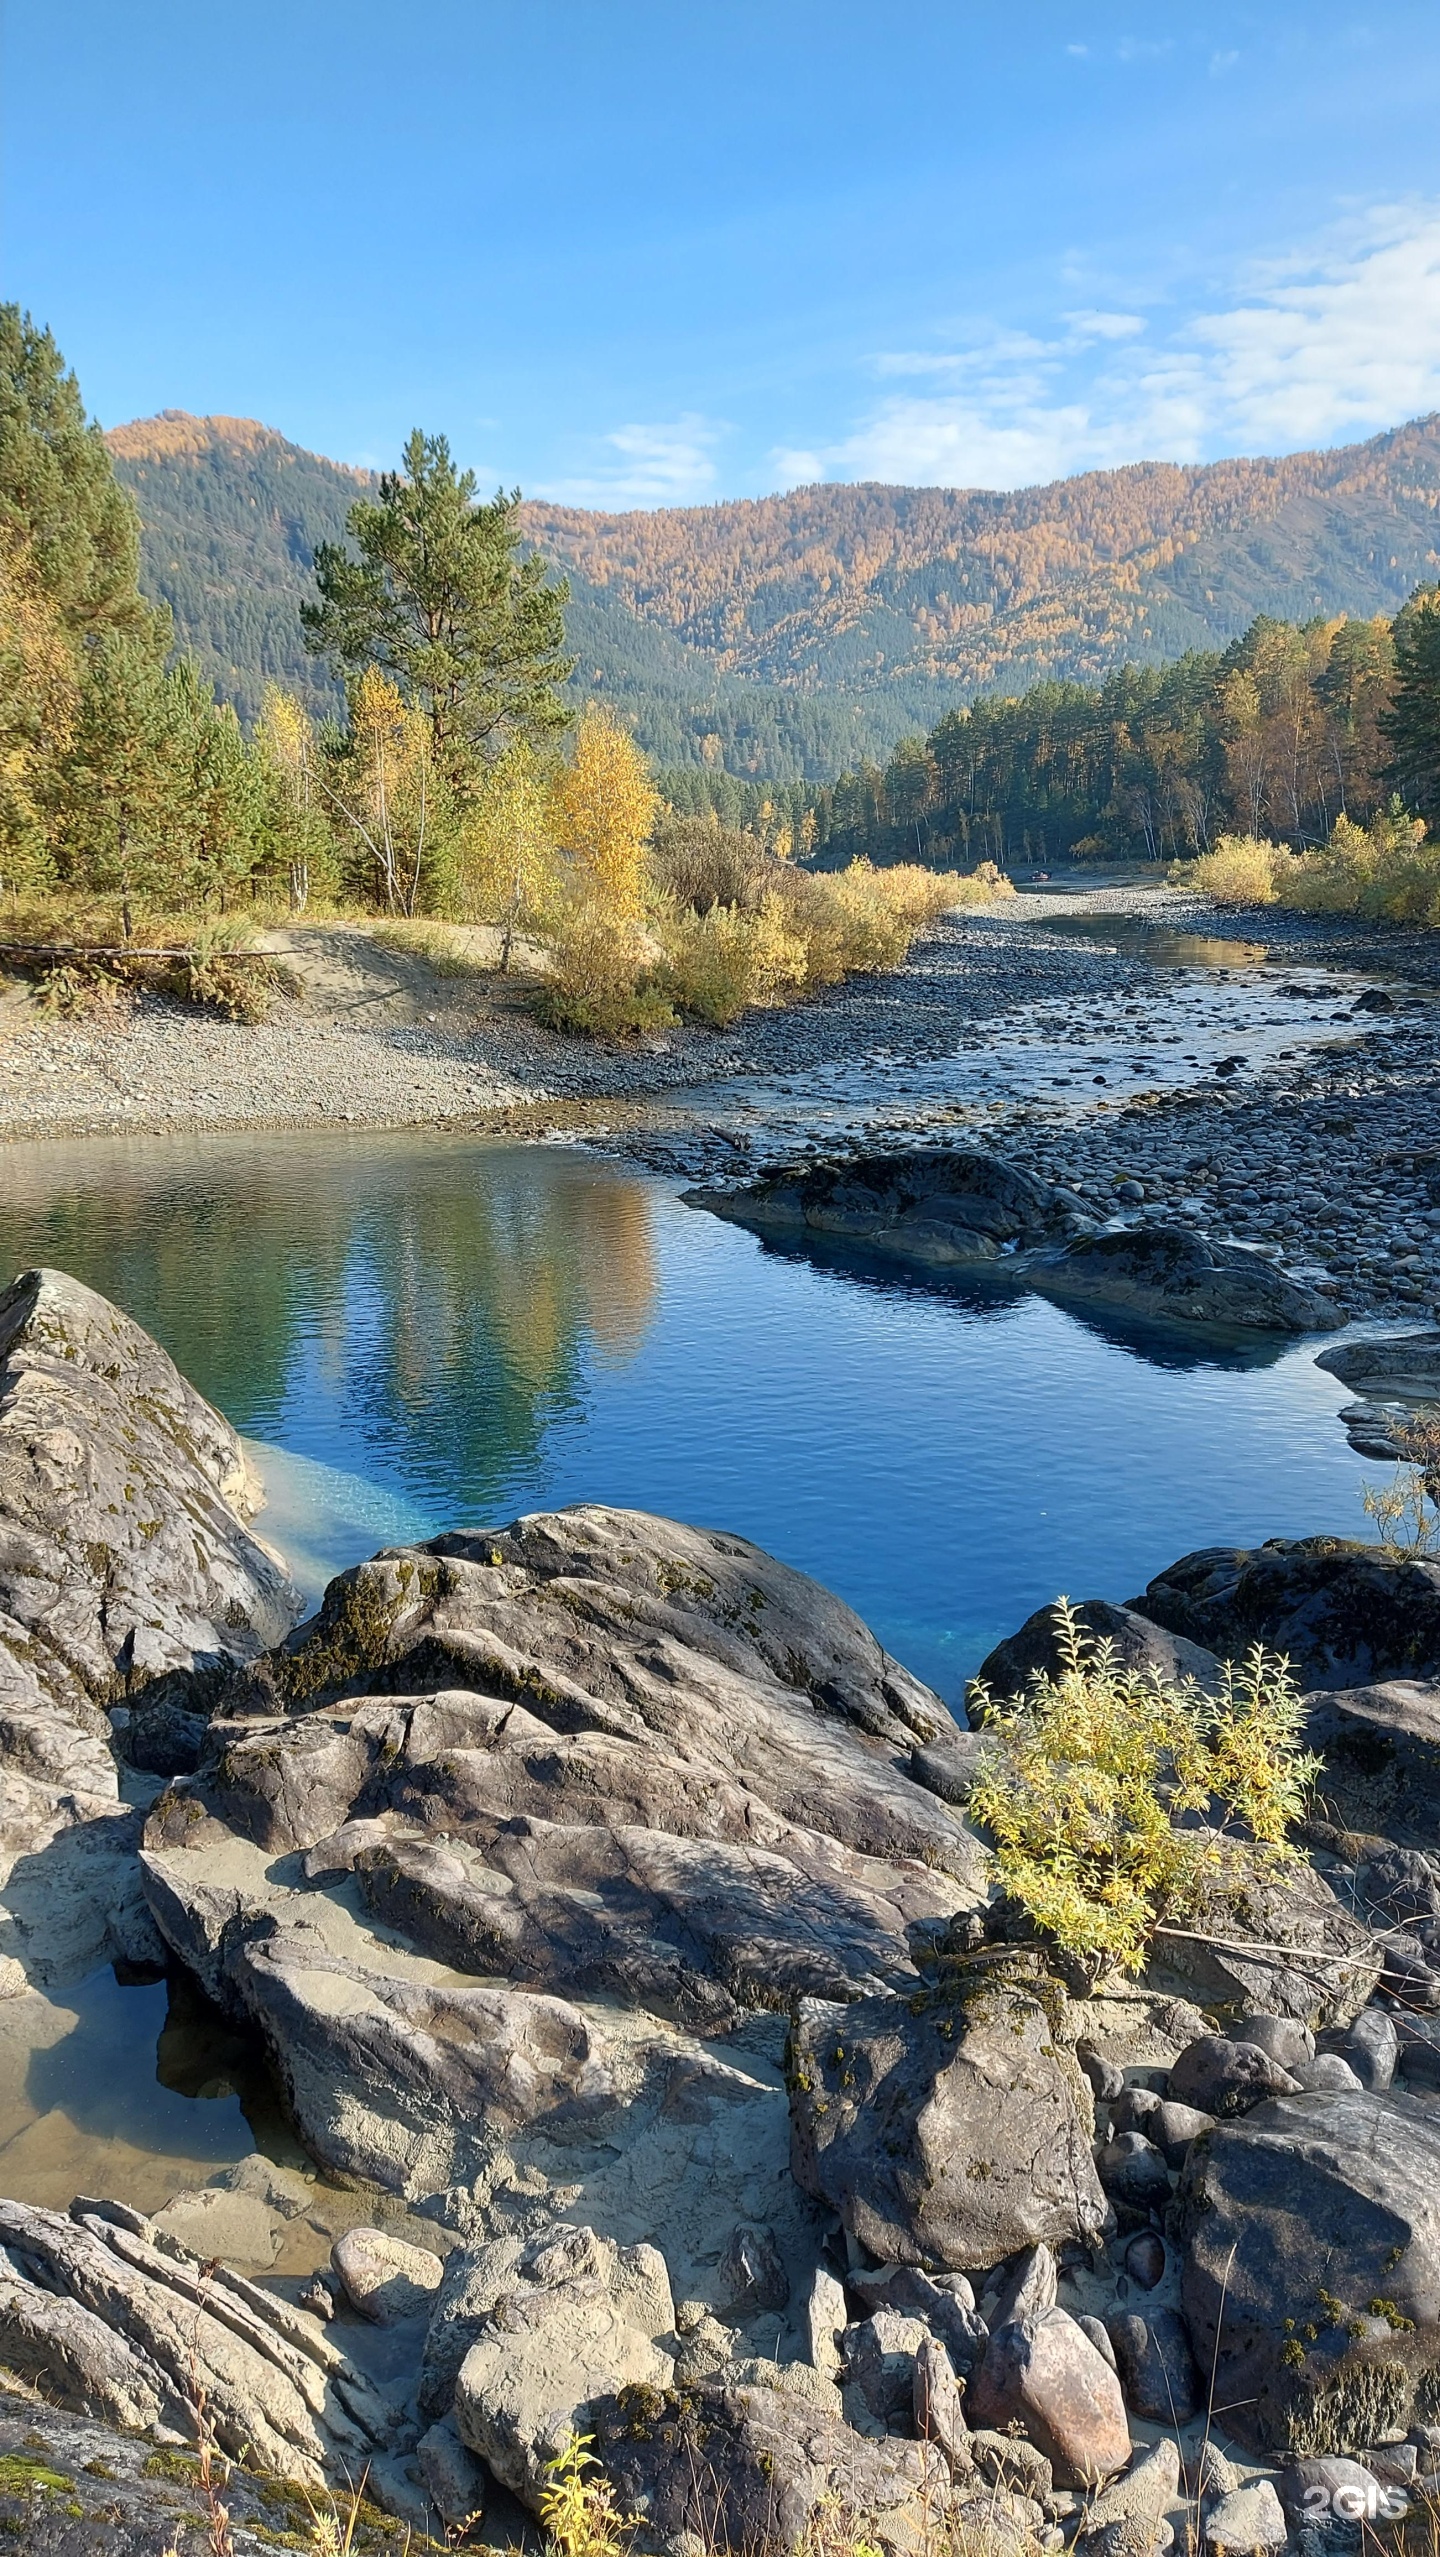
(1341, 343)
(657, 465)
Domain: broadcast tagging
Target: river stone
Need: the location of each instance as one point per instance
(383, 2278)
(1133, 2170)
(1156, 2366)
(1174, 2126)
(825, 2321)
(1370, 2047)
(453, 2478)
(568, 2332)
(1169, 1275)
(1407, 1366)
(1311, 2237)
(1224, 2077)
(1345, 1615)
(753, 2467)
(1137, 1644)
(936, 2406)
(1043, 2373)
(238, 2227)
(935, 1205)
(1279, 2036)
(1142, 2496)
(944, 2301)
(879, 2370)
(1249, 2518)
(952, 2135)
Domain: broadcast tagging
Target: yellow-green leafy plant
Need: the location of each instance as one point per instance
(1406, 1510)
(1240, 871)
(1092, 1772)
(578, 2512)
(1385, 871)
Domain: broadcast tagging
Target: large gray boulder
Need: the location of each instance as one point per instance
(125, 1556)
(950, 2128)
(1170, 1275)
(1311, 2279)
(1343, 1614)
(1381, 1747)
(754, 2466)
(938, 1205)
(580, 2321)
(1271, 1935)
(129, 1581)
(1137, 1643)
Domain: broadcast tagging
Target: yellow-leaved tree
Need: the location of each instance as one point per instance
(385, 788)
(607, 807)
(298, 841)
(602, 962)
(507, 868)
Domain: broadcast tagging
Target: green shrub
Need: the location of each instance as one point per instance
(1090, 1774)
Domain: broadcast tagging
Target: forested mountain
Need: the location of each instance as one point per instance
(790, 637)
(231, 513)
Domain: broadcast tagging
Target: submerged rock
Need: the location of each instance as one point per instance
(939, 1205)
(1169, 1275)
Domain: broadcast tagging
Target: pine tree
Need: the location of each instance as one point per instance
(1411, 726)
(441, 601)
(58, 492)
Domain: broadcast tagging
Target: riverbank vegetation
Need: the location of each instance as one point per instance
(1291, 728)
(1386, 872)
(144, 830)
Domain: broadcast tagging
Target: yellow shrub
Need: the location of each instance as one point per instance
(602, 978)
(1091, 1771)
(1385, 871)
(1241, 871)
(727, 962)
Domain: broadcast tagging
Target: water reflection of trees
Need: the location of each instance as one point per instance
(430, 1303)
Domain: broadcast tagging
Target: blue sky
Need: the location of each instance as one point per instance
(654, 252)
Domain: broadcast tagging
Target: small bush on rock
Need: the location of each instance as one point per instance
(1092, 1773)
(578, 2512)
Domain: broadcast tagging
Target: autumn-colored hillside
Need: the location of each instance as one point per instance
(786, 637)
(988, 590)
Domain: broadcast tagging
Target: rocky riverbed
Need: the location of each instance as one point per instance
(604, 1897)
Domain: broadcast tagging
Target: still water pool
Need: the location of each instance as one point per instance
(424, 1331)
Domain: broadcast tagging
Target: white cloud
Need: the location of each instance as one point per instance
(1343, 342)
(657, 465)
(1110, 324)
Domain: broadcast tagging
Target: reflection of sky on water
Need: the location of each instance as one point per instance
(437, 1331)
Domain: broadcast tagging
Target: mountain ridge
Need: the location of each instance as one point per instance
(786, 637)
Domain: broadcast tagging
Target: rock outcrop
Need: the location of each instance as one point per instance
(129, 1581)
(1344, 1615)
(118, 2322)
(941, 1206)
(1136, 1641)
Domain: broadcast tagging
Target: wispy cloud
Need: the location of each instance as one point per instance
(653, 465)
(1341, 341)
